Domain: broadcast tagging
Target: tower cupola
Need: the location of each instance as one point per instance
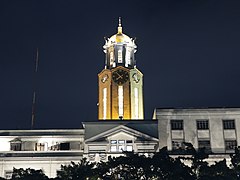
(120, 50)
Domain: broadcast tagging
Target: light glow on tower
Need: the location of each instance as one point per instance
(120, 101)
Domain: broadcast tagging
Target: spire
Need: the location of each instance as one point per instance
(119, 26)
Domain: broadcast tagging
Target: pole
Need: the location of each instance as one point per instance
(34, 92)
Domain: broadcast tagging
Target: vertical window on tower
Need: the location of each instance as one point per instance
(127, 61)
(104, 103)
(112, 63)
(136, 102)
(119, 56)
(120, 101)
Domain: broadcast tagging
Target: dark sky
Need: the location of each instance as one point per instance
(188, 51)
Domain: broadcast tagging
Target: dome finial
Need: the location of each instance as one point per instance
(119, 26)
(119, 21)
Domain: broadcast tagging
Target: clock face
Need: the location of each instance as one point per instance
(104, 78)
(120, 76)
(136, 77)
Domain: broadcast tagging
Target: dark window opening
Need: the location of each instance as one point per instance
(16, 146)
(228, 124)
(178, 145)
(204, 144)
(65, 146)
(177, 124)
(230, 144)
(202, 124)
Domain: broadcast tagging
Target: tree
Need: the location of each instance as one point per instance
(28, 174)
(134, 166)
(235, 160)
(166, 167)
(219, 170)
(130, 166)
(79, 171)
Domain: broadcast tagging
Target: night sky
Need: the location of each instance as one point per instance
(188, 51)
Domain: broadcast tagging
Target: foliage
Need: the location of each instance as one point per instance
(80, 171)
(235, 160)
(217, 171)
(133, 166)
(28, 174)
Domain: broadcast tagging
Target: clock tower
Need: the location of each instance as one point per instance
(120, 82)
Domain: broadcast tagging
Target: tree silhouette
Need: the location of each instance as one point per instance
(79, 171)
(132, 166)
(28, 174)
(235, 160)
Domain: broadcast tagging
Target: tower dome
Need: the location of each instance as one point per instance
(120, 37)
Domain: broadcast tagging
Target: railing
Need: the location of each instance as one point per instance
(41, 153)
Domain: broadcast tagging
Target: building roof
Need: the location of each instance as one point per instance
(42, 132)
(144, 126)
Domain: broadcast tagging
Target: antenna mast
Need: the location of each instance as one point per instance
(34, 91)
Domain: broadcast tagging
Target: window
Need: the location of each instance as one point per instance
(113, 141)
(128, 56)
(39, 146)
(230, 144)
(16, 146)
(111, 57)
(129, 148)
(129, 141)
(178, 144)
(119, 56)
(228, 124)
(177, 124)
(121, 145)
(204, 144)
(8, 174)
(64, 146)
(112, 63)
(113, 147)
(60, 146)
(202, 124)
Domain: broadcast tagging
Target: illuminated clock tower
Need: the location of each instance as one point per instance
(120, 82)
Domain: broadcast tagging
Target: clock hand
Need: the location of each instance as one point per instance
(119, 76)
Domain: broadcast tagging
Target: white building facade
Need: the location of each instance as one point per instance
(216, 129)
(39, 149)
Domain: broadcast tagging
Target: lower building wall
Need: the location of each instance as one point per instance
(50, 166)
